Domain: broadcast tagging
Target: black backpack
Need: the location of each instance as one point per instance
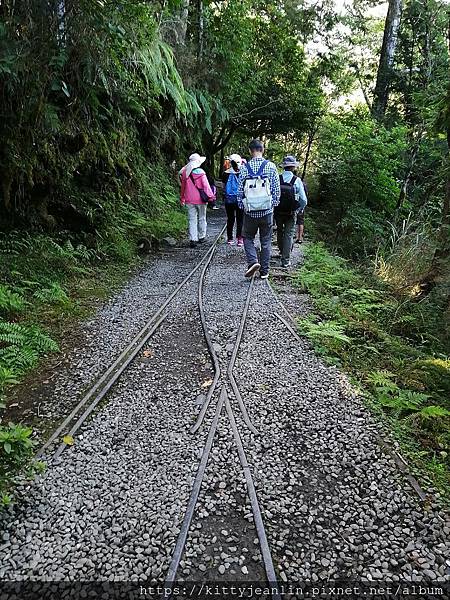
(288, 202)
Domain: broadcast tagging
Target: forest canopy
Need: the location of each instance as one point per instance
(96, 93)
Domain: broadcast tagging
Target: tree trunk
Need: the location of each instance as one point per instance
(440, 265)
(61, 15)
(7, 181)
(441, 259)
(184, 18)
(200, 29)
(384, 75)
(222, 160)
(222, 141)
(311, 136)
(414, 150)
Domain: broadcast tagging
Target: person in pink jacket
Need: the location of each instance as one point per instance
(195, 194)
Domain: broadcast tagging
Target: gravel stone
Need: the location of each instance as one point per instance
(333, 504)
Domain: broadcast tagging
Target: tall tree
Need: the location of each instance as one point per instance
(184, 18)
(440, 264)
(385, 71)
(201, 28)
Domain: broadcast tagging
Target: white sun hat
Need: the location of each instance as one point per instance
(195, 160)
(236, 158)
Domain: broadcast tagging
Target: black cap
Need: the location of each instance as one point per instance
(256, 145)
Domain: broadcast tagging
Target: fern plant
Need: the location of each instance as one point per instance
(7, 377)
(54, 294)
(326, 335)
(26, 335)
(434, 412)
(19, 358)
(403, 400)
(323, 272)
(10, 301)
(435, 419)
(16, 453)
(20, 349)
(381, 382)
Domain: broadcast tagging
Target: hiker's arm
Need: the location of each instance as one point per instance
(301, 194)
(275, 187)
(204, 184)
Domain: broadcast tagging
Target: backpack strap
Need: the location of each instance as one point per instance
(291, 182)
(193, 180)
(250, 171)
(261, 168)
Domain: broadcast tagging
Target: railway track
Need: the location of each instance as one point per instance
(102, 386)
(225, 376)
(230, 465)
(223, 402)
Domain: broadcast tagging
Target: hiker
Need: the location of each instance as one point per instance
(301, 219)
(258, 194)
(212, 185)
(195, 193)
(235, 214)
(292, 201)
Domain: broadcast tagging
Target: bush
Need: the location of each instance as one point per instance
(359, 162)
(16, 456)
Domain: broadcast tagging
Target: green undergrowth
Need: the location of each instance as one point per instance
(387, 343)
(34, 319)
(49, 282)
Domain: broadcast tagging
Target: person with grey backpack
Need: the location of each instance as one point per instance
(258, 194)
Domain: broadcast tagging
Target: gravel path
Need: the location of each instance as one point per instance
(112, 506)
(101, 339)
(334, 506)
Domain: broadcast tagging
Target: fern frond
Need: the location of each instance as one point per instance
(52, 295)
(434, 412)
(330, 330)
(10, 301)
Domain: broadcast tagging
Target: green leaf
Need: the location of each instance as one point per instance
(434, 411)
(65, 89)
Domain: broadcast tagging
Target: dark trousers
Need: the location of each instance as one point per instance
(285, 236)
(251, 227)
(234, 213)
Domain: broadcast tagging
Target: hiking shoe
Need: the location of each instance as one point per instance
(192, 244)
(286, 265)
(230, 242)
(216, 207)
(202, 240)
(265, 276)
(240, 241)
(252, 270)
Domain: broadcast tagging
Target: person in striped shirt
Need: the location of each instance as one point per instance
(260, 220)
